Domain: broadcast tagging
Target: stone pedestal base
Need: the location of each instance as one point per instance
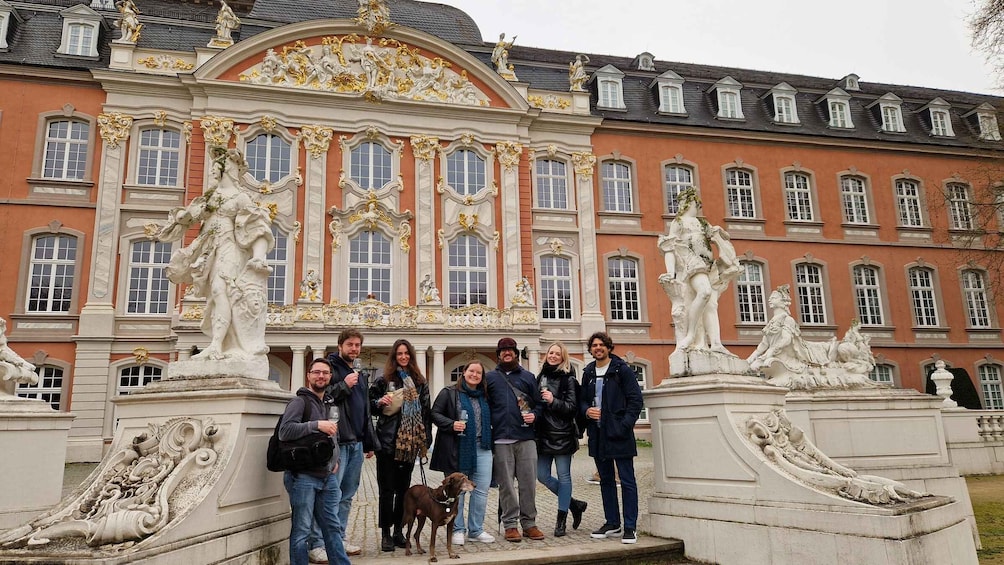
(716, 489)
(697, 362)
(186, 470)
(33, 444)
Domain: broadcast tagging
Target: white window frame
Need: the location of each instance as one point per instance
(740, 196)
(624, 288)
(468, 271)
(990, 386)
(130, 383)
(157, 163)
(65, 157)
(609, 88)
(364, 169)
(838, 109)
(751, 293)
(617, 189)
(979, 313)
(810, 287)
(909, 206)
(149, 290)
(798, 197)
(43, 389)
(466, 171)
(785, 107)
(7, 13)
(960, 207)
(368, 276)
(890, 113)
(669, 85)
(676, 178)
(922, 284)
(986, 121)
(868, 297)
(556, 288)
(552, 185)
(279, 258)
(883, 373)
(854, 199)
(729, 94)
(639, 370)
(52, 269)
(264, 168)
(78, 18)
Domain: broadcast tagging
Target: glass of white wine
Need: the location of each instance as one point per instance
(463, 418)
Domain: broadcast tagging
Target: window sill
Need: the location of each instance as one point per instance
(60, 191)
(673, 114)
(38, 326)
(984, 335)
(739, 119)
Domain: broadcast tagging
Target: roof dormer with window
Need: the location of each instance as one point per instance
(645, 61)
(609, 88)
(837, 104)
(8, 15)
(669, 87)
(986, 120)
(851, 82)
(730, 105)
(940, 118)
(782, 99)
(81, 26)
(890, 112)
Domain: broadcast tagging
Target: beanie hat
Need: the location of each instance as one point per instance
(506, 343)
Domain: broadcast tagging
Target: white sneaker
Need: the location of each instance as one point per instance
(458, 538)
(351, 549)
(318, 555)
(483, 537)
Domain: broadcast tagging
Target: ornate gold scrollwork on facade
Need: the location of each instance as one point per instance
(160, 118)
(404, 235)
(469, 223)
(549, 102)
(584, 163)
(336, 229)
(268, 123)
(186, 129)
(114, 128)
(164, 62)
(371, 213)
(374, 15)
(217, 130)
(509, 153)
(317, 139)
(496, 239)
(141, 355)
(425, 147)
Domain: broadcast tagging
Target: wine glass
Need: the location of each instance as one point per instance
(523, 410)
(333, 413)
(391, 387)
(463, 418)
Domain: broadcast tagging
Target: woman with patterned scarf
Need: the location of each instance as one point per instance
(465, 445)
(400, 398)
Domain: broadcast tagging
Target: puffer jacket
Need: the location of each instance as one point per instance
(557, 432)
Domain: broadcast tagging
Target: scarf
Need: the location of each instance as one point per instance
(468, 443)
(411, 430)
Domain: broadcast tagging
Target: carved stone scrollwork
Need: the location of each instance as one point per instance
(404, 235)
(584, 163)
(114, 128)
(374, 15)
(160, 118)
(786, 446)
(186, 128)
(509, 153)
(132, 496)
(217, 130)
(425, 147)
(317, 139)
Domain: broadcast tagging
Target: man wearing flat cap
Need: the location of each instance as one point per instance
(515, 404)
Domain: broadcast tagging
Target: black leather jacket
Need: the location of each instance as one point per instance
(386, 426)
(557, 433)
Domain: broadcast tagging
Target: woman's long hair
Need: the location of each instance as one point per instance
(566, 364)
(484, 382)
(390, 369)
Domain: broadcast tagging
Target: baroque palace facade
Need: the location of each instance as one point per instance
(429, 185)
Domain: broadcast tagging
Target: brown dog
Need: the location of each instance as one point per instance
(439, 505)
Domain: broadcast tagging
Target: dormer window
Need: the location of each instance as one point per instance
(851, 82)
(890, 112)
(783, 100)
(986, 119)
(941, 120)
(838, 107)
(729, 102)
(644, 62)
(609, 88)
(81, 26)
(7, 14)
(670, 89)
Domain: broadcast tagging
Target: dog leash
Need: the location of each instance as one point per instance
(421, 468)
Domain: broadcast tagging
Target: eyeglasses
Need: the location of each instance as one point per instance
(319, 372)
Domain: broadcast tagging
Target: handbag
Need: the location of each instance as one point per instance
(396, 401)
(308, 452)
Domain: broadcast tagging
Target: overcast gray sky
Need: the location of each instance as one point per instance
(906, 42)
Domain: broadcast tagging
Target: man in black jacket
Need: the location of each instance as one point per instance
(306, 414)
(611, 402)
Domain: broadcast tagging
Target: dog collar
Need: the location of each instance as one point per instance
(446, 502)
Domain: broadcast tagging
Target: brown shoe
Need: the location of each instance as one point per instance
(533, 532)
(512, 534)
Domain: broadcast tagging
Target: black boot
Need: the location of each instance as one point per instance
(577, 507)
(399, 540)
(559, 525)
(386, 541)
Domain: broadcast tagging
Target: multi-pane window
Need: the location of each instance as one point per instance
(66, 150)
(677, 179)
(728, 102)
(623, 280)
(369, 267)
(148, 284)
(159, 157)
(268, 158)
(456, 374)
(868, 295)
(53, 265)
(974, 288)
(135, 377)
(80, 38)
(370, 165)
(784, 110)
(639, 375)
(616, 178)
(811, 303)
(839, 114)
(798, 197)
(739, 193)
(552, 190)
(959, 206)
(750, 289)
(278, 259)
(555, 288)
(672, 99)
(48, 388)
(940, 124)
(881, 374)
(990, 382)
(908, 203)
(891, 119)
(465, 172)
(854, 197)
(468, 272)
(925, 308)
(610, 94)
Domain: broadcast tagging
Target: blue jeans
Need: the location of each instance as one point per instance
(608, 491)
(561, 486)
(313, 501)
(479, 496)
(350, 467)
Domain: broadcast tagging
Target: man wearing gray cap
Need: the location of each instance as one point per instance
(515, 404)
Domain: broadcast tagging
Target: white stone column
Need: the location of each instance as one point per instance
(533, 363)
(423, 362)
(509, 154)
(438, 377)
(425, 149)
(298, 370)
(592, 315)
(316, 140)
(318, 351)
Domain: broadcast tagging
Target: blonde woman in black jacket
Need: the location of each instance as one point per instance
(557, 433)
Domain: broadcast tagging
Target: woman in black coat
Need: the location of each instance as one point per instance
(465, 445)
(400, 398)
(557, 433)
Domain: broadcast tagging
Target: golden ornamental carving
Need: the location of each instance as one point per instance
(584, 163)
(166, 63)
(496, 239)
(370, 313)
(374, 15)
(186, 129)
(336, 229)
(549, 102)
(441, 185)
(317, 139)
(469, 223)
(114, 128)
(374, 67)
(297, 230)
(467, 139)
(425, 147)
(372, 213)
(141, 355)
(193, 313)
(309, 314)
(404, 235)
(268, 123)
(372, 133)
(217, 130)
(509, 153)
(160, 118)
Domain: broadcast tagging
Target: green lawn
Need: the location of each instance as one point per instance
(987, 494)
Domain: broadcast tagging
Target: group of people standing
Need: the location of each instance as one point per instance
(504, 427)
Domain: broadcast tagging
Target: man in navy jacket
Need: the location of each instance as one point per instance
(515, 404)
(611, 402)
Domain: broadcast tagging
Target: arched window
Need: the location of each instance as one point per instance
(53, 272)
(268, 157)
(465, 172)
(48, 388)
(555, 288)
(623, 282)
(66, 149)
(868, 295)
(882, 374)
(552, 191)
(616, 184)
(468, 272)
(371, 165)
(135, 377)
(922, 297)
(739, 193)
(149, 288)
(677, 179)
(159, 157)
(811, 295)
(278, 259)
(974, 287)
(798, 197)
(750, 290)
(990, 384)
(960, 206)
(908, 204)
(854, 196)
(369, 267)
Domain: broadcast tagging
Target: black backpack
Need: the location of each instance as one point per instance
(309, 452)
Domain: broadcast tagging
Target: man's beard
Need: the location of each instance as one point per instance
(317, 388)
(509, 365)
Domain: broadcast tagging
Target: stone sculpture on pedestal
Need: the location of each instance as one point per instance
(427, 291)
(500, 57)
(14, 370)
